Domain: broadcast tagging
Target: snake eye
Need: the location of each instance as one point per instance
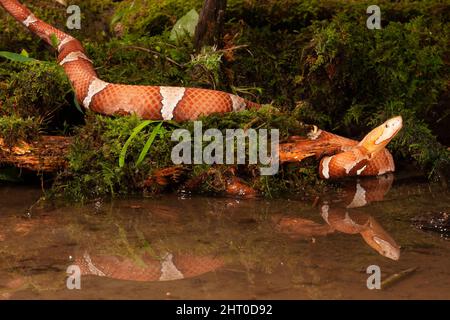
(386, 125)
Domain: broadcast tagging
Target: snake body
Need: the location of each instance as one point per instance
(345, 219)
(368, 157)
(168, 268)
(148, 102)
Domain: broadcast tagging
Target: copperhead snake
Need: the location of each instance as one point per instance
(367, 157)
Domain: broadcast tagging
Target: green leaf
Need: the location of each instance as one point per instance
(24, 53)
(149, 143)
(75, 102)
(134, 133)
(185, 25)
(15, 57)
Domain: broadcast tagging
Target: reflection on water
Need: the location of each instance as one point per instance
(343, 218)
(177, 247)
(165, 268)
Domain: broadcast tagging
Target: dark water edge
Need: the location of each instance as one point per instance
(220, 248)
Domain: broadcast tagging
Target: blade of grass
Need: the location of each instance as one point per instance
(15, 57)
(75, 102)
(148, 144)
(135, 132)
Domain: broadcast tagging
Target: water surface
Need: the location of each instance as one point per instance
(180, 247)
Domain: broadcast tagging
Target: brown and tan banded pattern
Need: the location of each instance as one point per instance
(366, 158)
(169, 267)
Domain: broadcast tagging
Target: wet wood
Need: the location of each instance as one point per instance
(46, 154)
(209, 30)
(304, 148)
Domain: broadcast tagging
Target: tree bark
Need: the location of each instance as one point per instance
(209, 30)
(46, 154)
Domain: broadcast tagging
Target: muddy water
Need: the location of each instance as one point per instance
(179, 247)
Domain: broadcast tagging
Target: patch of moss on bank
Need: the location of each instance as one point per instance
(355, 78)
(150, 17)
(37, 89)
(14, 129)
(94, 169)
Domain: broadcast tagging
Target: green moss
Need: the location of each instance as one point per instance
(36, 89)
(94, 158)
(355, 78)
(147, 54)
(150, 17)
(298, 14)
(14, 129)
(314, 59)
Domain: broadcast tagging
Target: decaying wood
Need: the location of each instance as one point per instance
(46, 154)
(300, 149)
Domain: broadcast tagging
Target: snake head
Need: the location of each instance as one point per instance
(379, 137)
(376, 237)
(387, 249)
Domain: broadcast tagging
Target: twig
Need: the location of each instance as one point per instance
(233, 48)
(397, 277)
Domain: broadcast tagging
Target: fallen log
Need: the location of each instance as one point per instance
(46, 154)
(49, 153)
